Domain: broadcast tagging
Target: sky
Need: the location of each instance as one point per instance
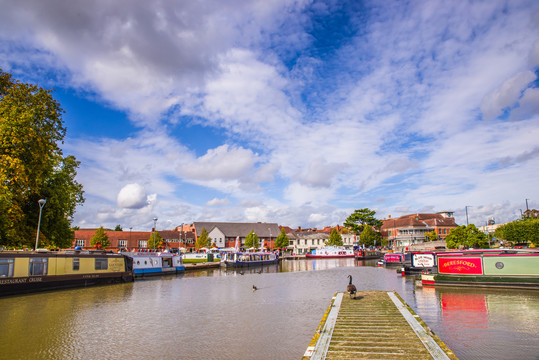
(294, 112)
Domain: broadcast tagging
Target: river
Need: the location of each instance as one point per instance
(214, 314)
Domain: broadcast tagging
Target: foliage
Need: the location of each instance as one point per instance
(359, 218)
(467, 237)
(118, 228)
(100, 240)
(251, 240)
(32, 167)
(203, 240)
(282, 240)
(431, 236)
(520, 231)
(335, 239)
(369, 237)
(159, 242)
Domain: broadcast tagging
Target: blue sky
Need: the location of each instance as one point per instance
(295, 112)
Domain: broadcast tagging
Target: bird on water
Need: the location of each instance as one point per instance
(351, 288)
(254, 288)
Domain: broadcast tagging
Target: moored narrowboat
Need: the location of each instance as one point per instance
(331, 252)
(246, 259)
(393, 259)
(420, 263)
(364, 254)
(31, 271)
(155, 263)
(487, 268)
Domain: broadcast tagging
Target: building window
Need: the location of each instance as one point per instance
(143, 243)
(6, 267)
(38, 266)
(101, 264)
(79, 243)
(122, 243)
(76, 264)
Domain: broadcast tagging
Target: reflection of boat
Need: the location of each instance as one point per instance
(368, 254)
(487, 268)
(245, 259)
(331, 252)
(393, 259)
(155, 263)
(22, 272)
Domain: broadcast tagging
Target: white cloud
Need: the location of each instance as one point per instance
(218, 202)
(132, 196)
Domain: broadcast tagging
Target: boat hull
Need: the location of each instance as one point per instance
(367, 254)
(240, 264)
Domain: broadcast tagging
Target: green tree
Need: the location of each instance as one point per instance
(32, 167)
(359, 218)
(431, 236)
(369, 237)
(203, 240)
(335, 239)
(118, 228)
(100, 240)
(467, 237)
(282, 240)
(155, 238)
(251, 240)
(520, 231)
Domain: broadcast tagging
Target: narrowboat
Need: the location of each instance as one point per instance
(155, 263)
(32, 271)
(246, 259)
(363, 254)
(393, 259)
(420, 263)
(331, 252)
(487, 268)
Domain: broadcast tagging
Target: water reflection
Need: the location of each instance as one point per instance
(213, 313)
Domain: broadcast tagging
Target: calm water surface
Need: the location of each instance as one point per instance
(214, 314)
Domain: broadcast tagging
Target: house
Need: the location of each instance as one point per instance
(412, 229)
(303, 241)
(224, 234)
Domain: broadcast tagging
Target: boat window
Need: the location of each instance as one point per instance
(138, 262)
(76, 264)
(38, 266)
(101, 264)
(6, 267)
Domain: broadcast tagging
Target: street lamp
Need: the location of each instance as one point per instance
(466, 207)
(154, 228)
(271, 245)
(41, 203)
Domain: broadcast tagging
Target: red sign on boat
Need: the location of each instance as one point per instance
(459, 265)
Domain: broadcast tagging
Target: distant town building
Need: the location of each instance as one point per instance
(224, 234)
(412, 229)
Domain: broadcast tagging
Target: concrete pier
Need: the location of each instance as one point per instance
(374, 325)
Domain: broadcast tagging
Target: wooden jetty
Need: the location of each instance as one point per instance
(374, 325)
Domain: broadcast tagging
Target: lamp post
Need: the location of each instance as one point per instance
(271, 245)
(154, 228)
(41, 203)
(466, 207)
(130, 228)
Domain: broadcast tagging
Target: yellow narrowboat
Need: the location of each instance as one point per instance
(31, 271)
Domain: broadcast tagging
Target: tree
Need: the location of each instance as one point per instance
(32, 167)
(467, 237)
(369, 237)
(282, 240)
(203, 241)
(335, 239)
(159, 242)
(431, 236)
(100, 240)
(118, 228)
(520, 231)
(359, 218)
(251, 240)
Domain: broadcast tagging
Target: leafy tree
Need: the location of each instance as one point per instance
(100, 240)
(118, 228)
(32, 167)
(159, 242)
(282, 240)
(467, 237)
(359, 218)
(335, 239)
(369, 237)
(251, 240)
(431, 236)
(519, 231)
(203, 240)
